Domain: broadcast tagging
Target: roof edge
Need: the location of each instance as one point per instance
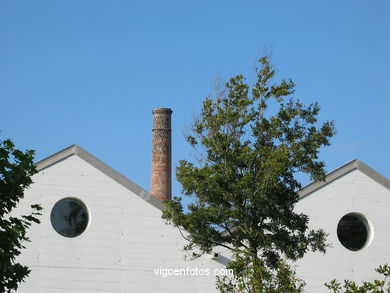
(56, 157)
(104, 168)
(382, 180)
(341, 171)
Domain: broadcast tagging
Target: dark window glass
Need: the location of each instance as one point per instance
(353, 231)
(69, 217)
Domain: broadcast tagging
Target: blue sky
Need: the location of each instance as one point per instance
(90, 72)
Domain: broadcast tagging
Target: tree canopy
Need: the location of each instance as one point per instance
(16, 169)
(252, 141)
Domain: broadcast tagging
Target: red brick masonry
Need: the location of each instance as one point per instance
(161, 177)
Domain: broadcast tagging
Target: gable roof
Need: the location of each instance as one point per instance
(337, 173)
(75, 150)
(341, 171)
(148, 197)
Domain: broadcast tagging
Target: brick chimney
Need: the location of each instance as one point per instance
(161, 177)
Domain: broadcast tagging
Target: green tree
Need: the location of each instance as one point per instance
(252, 141)
(16, 169)
(376, 286)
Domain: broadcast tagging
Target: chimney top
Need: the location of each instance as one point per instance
(161, 110)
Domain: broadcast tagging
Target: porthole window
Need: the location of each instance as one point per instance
(354, 231)
(69, 217)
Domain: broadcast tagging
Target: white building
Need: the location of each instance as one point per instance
(101, 232)
(353, 208)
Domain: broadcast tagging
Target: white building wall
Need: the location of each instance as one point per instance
(127, 239)
(353, 192)
(123, 244)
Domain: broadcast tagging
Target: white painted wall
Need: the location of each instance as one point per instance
(127, 239)
(354, 192)
(123, 244)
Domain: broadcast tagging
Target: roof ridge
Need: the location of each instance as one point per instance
(331, 176)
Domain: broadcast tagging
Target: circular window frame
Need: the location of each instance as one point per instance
(86, 209)
(368, 226)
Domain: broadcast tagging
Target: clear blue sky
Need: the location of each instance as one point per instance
(90, 72)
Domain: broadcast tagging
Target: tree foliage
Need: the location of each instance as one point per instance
(253, 140)
(376, 286)
(16, 169)
(251, 275)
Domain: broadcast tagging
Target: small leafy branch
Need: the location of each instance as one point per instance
(375, 286)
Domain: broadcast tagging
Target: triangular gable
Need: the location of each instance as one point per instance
(104, 168)
(145, 195)
(341, 171)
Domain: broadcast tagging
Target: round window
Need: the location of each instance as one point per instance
(354, 231)
(69, 217)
